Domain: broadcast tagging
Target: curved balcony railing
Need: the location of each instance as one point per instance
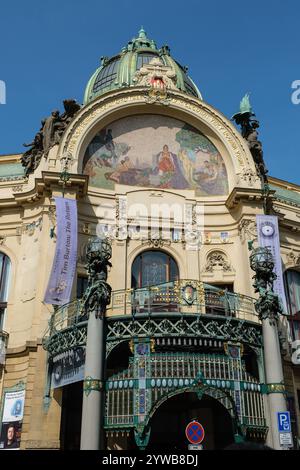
(163, 299)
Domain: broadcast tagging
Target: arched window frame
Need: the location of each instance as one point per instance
(139, 258)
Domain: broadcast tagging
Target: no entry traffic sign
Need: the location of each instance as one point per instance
(194, 432)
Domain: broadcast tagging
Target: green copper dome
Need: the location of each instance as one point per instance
(118, 71)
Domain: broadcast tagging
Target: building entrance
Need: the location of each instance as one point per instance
(170, 420)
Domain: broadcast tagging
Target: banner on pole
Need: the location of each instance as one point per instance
(64, 265)
(268, 236)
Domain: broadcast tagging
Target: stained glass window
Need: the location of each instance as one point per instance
(153, 267)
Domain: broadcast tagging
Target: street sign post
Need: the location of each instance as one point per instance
(285, 439)
(284, 421)
(195, 447)
(195, 433)
(284, 429)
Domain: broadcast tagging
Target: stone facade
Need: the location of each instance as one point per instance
(28, 215)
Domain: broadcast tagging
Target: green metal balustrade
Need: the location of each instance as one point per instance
(192, 318)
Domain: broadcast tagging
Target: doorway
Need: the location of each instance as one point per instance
(170, 420)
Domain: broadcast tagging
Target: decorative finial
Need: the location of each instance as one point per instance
(142, 33)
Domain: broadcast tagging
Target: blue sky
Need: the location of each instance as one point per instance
(49, 49)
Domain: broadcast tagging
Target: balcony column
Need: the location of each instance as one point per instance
(274, 377)
(93, 386)
(269, 308)
(95, 301)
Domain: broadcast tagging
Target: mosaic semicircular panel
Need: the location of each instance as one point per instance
(158, 152)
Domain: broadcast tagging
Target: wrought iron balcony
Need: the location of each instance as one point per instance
(185, 297)
(185, 308)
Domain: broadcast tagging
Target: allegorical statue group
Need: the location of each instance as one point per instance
(249, 131)
(50, 133)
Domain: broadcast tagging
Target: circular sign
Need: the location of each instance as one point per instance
(194, 432)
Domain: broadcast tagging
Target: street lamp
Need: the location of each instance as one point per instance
(268, 306)
(94, 303)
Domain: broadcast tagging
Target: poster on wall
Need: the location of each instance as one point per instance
(64, 264)
(268, 236)
(68, 367)
(12, 417)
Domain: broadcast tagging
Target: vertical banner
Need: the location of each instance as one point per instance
(11, 426)
(64, 265)
(268, 236)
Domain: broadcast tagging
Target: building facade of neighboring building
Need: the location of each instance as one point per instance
(151, 165)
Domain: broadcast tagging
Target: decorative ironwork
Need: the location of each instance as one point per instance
(233, 349)
(268, 305)
(90, 384)
(193, 326)
(98, 292)
(189, 292)
(171, 374)
(275, 388)
(215, 315)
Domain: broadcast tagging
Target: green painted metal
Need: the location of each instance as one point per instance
(90, 384)
(203, 374)
(286, 195)
(245, 106)
(68, 328)
(120, 329)
(127, 67)
(11, 171)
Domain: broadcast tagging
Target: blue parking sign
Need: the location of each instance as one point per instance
(284, 421)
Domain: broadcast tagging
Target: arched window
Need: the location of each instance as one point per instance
(292, 288)
(4, 284)
(153, 267)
